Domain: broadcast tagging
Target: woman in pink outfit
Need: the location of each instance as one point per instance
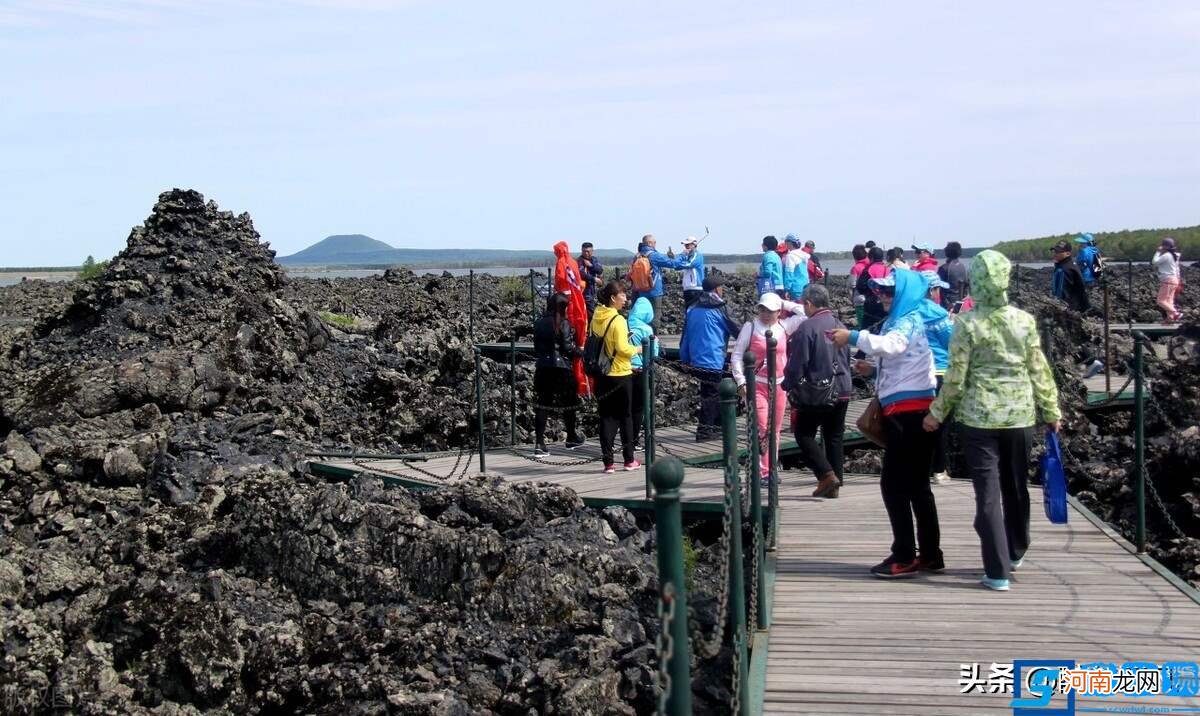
(1170, 279)
(753, 337)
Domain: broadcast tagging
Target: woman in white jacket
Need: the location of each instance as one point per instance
(1170, 279)
(753, 337)
(906, 386)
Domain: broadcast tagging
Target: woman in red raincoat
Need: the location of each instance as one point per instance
(567, 280)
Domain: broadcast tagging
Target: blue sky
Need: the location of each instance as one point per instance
(514, 125)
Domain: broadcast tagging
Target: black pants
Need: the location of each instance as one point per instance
(941, 442)
(905, 487)
(554, 391)
(690, 296)
(827, 457)
(998, 461)
(616, 396)
(710, 404)
(637, 408)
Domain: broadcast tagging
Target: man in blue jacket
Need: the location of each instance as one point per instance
(707, 329)
(770, 271)
(693, 276)
(658, 262)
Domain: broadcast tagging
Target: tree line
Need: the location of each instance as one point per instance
(1136, 245)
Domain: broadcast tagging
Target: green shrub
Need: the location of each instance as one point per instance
(689, 562)
(91, 268)
(514, 289)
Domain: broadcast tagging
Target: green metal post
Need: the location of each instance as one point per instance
(479, 408)
(647, 425)
(737, 587)
(471, 306)
(1107, 341)
(532, 298)
(668, 527)
(1130, 297)
(772, 443)
(512, 389)
(1139, 439)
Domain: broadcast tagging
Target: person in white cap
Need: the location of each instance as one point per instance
(692, 273)
(753, 337)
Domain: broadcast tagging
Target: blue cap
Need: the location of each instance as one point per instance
(934, 280)
(889, 280)
(791, 239)
(922, 247)
(1085, 239)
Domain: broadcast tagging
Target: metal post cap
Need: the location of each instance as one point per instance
(748, 358)
(667, 473)
(727, 389)
(771, 338)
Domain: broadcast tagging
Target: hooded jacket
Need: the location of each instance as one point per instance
(707, 329)
(772, 268)
(616, 339)
(998, 376)
(1086, 260)
(939, 327)
(795, 272)
(639, 320)
(905, 370)
(567, 280)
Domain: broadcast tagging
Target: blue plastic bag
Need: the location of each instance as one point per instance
(1054, 481)
(764, 284)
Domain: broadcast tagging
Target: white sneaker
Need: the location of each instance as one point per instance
(1016, 563)
(940, 477)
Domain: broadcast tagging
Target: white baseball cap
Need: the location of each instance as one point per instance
(771, 301)
(690, 240)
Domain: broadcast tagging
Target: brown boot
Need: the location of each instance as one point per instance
(828, 486)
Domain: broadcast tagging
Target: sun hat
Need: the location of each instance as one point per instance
(771, 301)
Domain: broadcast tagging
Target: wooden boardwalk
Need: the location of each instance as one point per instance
(844, 642)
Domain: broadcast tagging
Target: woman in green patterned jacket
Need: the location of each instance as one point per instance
(998, 386)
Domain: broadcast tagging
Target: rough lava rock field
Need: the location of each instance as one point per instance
(163, 551)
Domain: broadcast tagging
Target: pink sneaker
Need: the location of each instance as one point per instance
(632, 465)
(609, 469)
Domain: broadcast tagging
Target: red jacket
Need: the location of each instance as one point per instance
(927, 264)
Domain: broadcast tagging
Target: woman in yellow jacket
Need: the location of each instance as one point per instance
(615, 390)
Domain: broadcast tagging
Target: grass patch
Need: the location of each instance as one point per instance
(338, 319)
(92, 268)
(689, 563)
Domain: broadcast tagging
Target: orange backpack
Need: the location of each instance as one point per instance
(641, 275)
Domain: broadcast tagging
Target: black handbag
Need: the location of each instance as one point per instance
(806, 393)
(596, 360)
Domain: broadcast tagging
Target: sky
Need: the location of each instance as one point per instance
(515, 125)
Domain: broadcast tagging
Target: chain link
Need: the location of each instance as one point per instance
(665, 645)
(552, 463)
(735, 696)
(458, 470)
(711, 646)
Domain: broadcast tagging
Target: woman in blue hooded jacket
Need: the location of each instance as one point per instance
(939, 328)
(906, 385)
(641, 316)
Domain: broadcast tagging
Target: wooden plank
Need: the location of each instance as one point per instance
(844, 642)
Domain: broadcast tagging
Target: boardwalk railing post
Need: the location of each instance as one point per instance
(772, 440)
(1129, 305)
(471, 306)
(1139, 439)
(512, 389)
(479, 408)
(733, 488)
(1107, 342)
(668, 527)
(647, 425)
(532, 298)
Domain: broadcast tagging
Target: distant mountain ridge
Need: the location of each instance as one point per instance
(361, 250)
